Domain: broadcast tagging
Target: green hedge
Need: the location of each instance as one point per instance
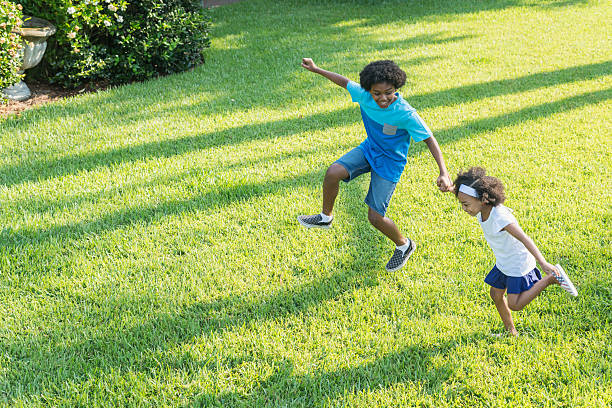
(119, 41)
(10, 43)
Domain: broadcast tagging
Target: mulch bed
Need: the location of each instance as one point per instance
(41, 94)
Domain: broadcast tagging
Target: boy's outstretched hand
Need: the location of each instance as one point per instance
(332, 76)
(444, 183)
(308, 64)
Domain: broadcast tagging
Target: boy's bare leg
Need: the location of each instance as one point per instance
(517, 301)
(386, 226)
(502, 308)
(331, 184)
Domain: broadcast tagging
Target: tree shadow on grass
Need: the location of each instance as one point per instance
(51, 206)
(414, 365)
(26, 244)
(209, 202)
(228, 90)
(275, 67)
(42, 169)
(295, 40)
(166, 331)
(38, 365)
(33, 169)
(475, 92)
(428, 8)
(479, 126)
(220, 197)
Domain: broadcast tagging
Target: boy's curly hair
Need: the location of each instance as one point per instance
(490, 189)
(382, 71)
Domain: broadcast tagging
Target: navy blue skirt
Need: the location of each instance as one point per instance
(497, 279)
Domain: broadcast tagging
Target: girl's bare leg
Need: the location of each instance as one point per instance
(517, 301)
(502, 308)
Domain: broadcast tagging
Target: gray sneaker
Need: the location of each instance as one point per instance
(314, 221)
(399, 258)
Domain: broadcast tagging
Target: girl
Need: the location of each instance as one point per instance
(515, 253)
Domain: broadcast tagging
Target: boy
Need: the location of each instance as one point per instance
(390, 122)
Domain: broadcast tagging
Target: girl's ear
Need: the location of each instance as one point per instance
(485, 198)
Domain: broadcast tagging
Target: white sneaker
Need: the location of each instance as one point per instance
(565, 281)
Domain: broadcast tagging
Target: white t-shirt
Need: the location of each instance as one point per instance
(511, 256)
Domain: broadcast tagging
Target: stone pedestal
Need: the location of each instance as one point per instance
(34, 33)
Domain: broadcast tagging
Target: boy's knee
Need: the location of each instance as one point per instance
(336, 172)
(374, 217)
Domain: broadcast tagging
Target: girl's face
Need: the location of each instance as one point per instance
(383, 94)
(469, 204)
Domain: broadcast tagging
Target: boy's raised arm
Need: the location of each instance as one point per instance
(332, 76)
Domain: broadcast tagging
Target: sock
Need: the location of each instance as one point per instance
(326, 218)
(404, 247)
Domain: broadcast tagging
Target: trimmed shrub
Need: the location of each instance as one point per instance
(10, 43)
(119, 41)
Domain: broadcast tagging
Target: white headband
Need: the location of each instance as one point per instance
(468, 190)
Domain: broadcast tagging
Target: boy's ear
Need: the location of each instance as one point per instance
(485, 198)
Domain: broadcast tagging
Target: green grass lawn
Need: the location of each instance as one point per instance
(150, 254)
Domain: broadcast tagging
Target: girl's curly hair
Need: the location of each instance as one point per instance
(489, 189)
(382, 71)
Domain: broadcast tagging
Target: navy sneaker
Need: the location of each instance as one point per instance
(314, 221)
(399, 258)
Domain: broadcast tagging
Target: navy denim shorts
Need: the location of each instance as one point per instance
(380, 191)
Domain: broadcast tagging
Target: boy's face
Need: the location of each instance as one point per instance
(469, 204)
(383, 94)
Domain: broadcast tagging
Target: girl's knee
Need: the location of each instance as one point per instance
(496, 294)
(514, 308)
(513, 303)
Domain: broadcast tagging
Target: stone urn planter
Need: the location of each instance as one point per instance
(34, 33)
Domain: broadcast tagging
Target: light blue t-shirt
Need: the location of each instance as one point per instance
(389, 131)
